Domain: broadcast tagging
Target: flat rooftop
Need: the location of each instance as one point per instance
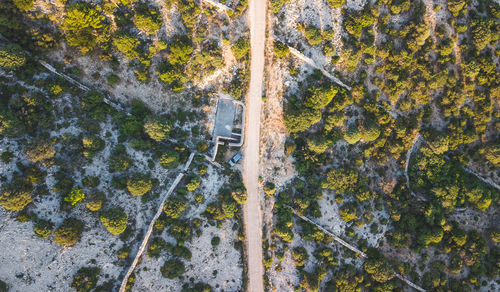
(224, 118)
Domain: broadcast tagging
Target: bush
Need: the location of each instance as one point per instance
(173, 269)
(155, 247)
(84, 26)
(269, 189)
(341, 180)
(123, 252)
(16, 195)
(320, 96)
(352, 135)
(69, 232)
(85, 279)
(174, 207)
(336, 3)
(42, 228)
(240, 48)
(181, 50)
(169, 159)
(127, 44)
(147, 19)
(115, 220)
(298, 120)
(12, 56)
(113, 79)
(280, 49)
(139, 184)
(24, 5)
(157, 129)
(215, 241)
(300, 256)
(3, 286)
(74, 197)
(313, 35)
(40, 150)
(95, 201)
(276, 5)
(193, 183)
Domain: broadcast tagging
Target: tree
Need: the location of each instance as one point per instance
(319, 96)
(169, 159)
(42, 228)
(24, 5)
(127, 44)
(74, 197)
(173, 269)
(456, 6)
(300, 256)
(16, 195)
(91, 145)
(95, 201)
(275, 5)
(298, 120)
(482, 34)
(12, 56)
(313, 35)
(156, 246)
(269, 188)
(193, 183)
(352, 135)
(147, 19)
(174, 207)
(491, 152)
(318, 144)
(157, 129)
(139, 184)
(280, 49)
(85, 280)
(115, 220)
(181, 50)
(348, 212)
(85, 27)
(240, 48)
(39, 150)
(69, 232)
(341, 180)
(378, 269)
(370, 131)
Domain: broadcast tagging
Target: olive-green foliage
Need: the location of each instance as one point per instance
(313, 35)
(348, 212)
(276, 5)
(95, 201)
(298, 120)
(370, 131)
(123, 252)
(119, 160)
(157, 128)
(341, 180)
(39, 150)
(300, 256)
(181, 50)
(94, 104)
(127, 44)
(456, 6)
(3, 286)
(74, 197)
(85, 279)
(378, 268)
(334, 120)
(16, 195)
(319, 96)
(12, 56)
(172, 269)
(84, 26)
(193, 182)
(495, 234)
(92, 145)
(173, 75)
(336, 3)
(355, 22)
(174, 207)
(312, 281)
(241, 47)
(42, 228)
(239, 193)
(280, 49)
(147, 19)
(139, 184)
(115, 220)
(352, 135)
(69, 232)
(483, 32)
(169, 159)
(24, 4)
(269, 188)
(428, 236)
(156, 246)
(347, 279)
(318, 144)
(491, 152)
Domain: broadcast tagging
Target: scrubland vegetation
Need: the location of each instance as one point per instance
(424, 92)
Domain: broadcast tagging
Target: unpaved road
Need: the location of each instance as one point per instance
(252, 210)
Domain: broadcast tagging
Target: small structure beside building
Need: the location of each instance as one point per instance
(229, 123)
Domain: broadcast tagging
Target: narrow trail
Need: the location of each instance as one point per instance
(252, 209)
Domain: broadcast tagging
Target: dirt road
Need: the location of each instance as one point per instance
(252, 216)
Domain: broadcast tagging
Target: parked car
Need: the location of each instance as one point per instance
(235, 159)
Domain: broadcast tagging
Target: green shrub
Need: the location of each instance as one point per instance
(181, 50)
(352, 135)
(169, 159)
(269, 189)
(115, 220)
(174, 207)
(23, 4)
(113, 79)
(313, 35)
(95, 201)
(69, 232)
(280, 49)
(42, 228)
(276, 5)
(298, 120)
(12, 56)
(127, 44)
(194, 182)
(39, 150)
(147, 19)
(341, 180)
(300, 256)
(139, 184)
(155, 247)
(85, 279)
(336, 3)
(3, 286)
(241, 48)
(119, 160)
(173, 269)
(123, 252)
(320, 96)
(74, 197)
(157, 129)
(16, 196)
(215, 241)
